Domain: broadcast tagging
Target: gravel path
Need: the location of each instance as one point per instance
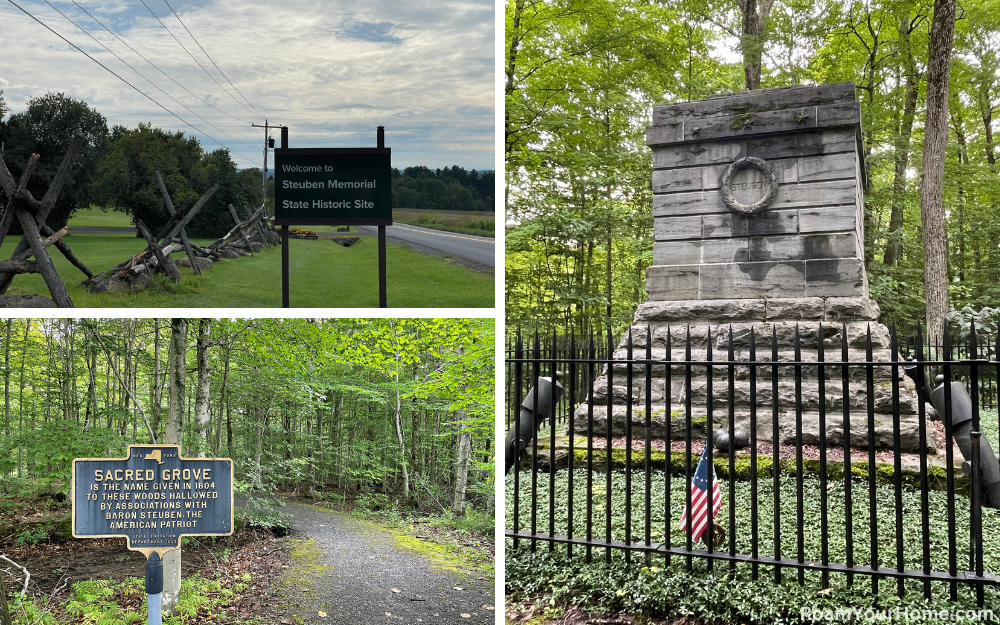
(361, 577)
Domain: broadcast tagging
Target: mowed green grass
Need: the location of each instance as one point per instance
(94, 217)
(322, 274)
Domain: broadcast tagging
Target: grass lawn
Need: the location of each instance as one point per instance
(323, 274)
(465, 222)
(94, 217)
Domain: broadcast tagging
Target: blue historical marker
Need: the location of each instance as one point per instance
(153, 497)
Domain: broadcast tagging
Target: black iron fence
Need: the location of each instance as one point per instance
(845, 470)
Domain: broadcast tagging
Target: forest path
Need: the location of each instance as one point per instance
(358, 574)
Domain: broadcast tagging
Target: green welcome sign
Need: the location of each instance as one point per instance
(332, 186)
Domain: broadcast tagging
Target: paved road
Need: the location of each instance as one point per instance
(478, 249)
(360, 567)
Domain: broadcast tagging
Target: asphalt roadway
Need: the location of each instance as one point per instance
(364, 579)
(480, 250)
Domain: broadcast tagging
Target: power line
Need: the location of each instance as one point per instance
(210, 58)
(192, 56)
(141, 76)
(196, 96)
(112, 72)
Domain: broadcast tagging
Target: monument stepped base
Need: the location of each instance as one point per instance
(714, 324)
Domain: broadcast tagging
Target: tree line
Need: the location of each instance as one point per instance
(115, 167)
(581, 78)
(375, 409)
(451, 188)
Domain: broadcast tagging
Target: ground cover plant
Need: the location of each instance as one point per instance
(323, 274)
(836, 544)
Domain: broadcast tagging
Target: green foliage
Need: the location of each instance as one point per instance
(661, 591)
(52, 447)
(451, 188)
(45, 127)
(986, 321)
(29, 537)
(789, 518)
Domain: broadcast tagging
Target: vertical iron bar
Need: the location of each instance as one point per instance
(950, 459)
(976, 514)
(628, 448)
(610, 446)
(925, 525)
(573, 357)
(709, 425)
(823, 501)
(754, 538)
(668, 449)
(535, 373)
(553, 355)
(382, 293)
(800, 536)
(649, 440)
(872, 484)
(591, 357)
(775, 452)
(518, 373)
(732, 453)
(687, 444)
(897, 452)
(976, 520)
(845, 380)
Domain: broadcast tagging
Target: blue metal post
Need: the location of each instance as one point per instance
(154, 587)
(155, 613)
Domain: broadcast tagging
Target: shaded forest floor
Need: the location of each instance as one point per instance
(253, 577)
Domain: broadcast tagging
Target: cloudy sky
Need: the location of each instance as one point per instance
(330, 70)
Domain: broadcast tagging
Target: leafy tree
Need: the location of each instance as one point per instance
(46, 128)
(126, 177)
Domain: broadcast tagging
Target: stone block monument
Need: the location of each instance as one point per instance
(758, 223)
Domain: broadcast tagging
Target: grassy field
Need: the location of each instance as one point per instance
(94, 217)
(323, 274)
(465, 222)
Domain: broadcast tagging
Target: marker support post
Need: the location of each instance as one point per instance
(380, 133)
(154, 587)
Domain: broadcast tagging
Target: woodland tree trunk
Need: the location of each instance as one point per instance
(176, 369)
(202, 408)
(461, 471)
(157, 380)
(6, 381)
(932, 188)
(754, 16)
(901, 158)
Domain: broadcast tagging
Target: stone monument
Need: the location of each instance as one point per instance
(758, 223)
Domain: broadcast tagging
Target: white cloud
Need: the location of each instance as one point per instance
(331, 71)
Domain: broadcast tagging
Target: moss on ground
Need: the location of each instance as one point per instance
(304, 571)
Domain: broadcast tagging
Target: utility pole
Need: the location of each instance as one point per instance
(268, 143)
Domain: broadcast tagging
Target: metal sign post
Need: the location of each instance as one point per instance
(154, 588)
(335, 187)
(153, 497)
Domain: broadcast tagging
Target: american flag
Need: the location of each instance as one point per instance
(699, 499)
